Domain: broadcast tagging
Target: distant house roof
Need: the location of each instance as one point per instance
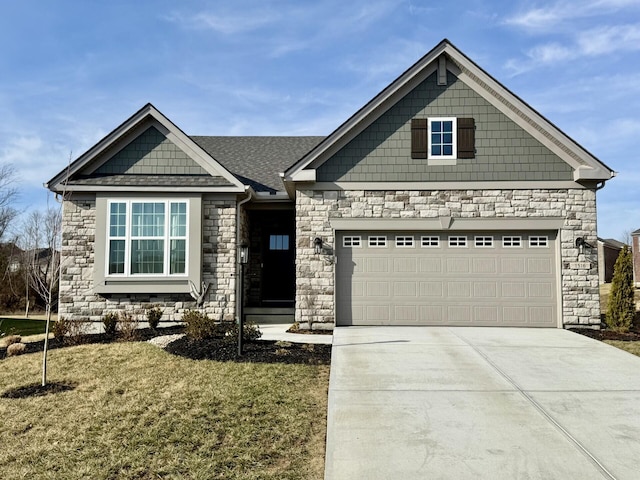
(612, 243)
(257, 161)
(637, 232)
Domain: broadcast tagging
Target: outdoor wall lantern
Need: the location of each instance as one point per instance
(244, 254)
(581, 243)
(317, 245)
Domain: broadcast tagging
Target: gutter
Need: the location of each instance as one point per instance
(239, 292)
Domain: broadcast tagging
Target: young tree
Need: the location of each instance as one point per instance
(8, 194)
(622, 308)
(42, 235)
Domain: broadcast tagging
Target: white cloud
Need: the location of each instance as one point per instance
(225, 23)
(549, 16)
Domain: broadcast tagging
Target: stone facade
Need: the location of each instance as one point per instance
(315, 209)
(78, 301)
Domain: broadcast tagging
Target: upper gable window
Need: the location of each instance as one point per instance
(147, 238)
(442, 138)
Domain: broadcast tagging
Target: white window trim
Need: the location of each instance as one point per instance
(466, 241)
(378, 238)
(355, 241)
(544, 238)
(403, 239)
(430, 237)
(482, 239)
(443, 159)
(166, 238)
(512, 237)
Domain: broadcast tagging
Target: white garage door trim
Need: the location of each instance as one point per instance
(487, 305)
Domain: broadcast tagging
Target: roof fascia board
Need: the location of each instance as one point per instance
(145, 189)
(523, 185)
(173, 132)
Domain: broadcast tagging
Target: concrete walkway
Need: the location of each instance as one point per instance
(481, 403)
(278, 331)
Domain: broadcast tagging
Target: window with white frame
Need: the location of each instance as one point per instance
(483, 242)
(404, 241)
(147, 238)
(512, 241)
(442, 135)
(430, 241)
(351, 241)
(457, 241)
(377, 241)
(539, 241)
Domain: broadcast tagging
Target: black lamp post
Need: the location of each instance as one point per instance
(243, 258)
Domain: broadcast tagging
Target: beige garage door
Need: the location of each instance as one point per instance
(462, 278)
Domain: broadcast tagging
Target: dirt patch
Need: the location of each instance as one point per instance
(37, 390)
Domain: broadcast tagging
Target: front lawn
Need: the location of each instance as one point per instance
(132, 410)
(21, 326)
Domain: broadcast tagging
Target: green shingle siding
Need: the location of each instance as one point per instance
(151, 153)
(504, 151)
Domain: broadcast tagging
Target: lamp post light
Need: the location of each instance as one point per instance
(243, 258)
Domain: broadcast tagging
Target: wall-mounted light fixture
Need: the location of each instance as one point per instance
(317, 245)
(581, 243)
(244, 254)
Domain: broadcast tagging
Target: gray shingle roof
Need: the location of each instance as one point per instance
(257, 161)
(151, 180)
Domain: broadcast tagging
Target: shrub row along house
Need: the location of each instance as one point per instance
(445, 200)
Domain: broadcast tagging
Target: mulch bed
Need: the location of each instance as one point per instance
(604, 334)
(263, 351)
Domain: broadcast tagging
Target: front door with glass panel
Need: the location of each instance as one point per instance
(278, 266)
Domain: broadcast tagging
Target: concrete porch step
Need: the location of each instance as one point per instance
(269, 315)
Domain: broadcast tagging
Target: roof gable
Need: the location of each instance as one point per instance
(146, 151)
(585, 167)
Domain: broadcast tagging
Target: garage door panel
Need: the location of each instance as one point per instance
(430, 265)
(405, 265)
(432, 283)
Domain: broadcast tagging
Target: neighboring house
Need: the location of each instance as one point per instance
(445, 200)
(608, 251)
(13, 255)
(635, 250)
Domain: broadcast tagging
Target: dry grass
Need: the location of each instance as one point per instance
(631, 347)
(139, 412)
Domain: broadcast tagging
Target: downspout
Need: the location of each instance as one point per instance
(239, 292)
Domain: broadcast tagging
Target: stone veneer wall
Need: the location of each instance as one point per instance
(79, 302)
(315, 209)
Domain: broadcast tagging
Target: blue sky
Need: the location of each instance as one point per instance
(71, 71)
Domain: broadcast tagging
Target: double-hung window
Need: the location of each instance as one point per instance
(147, 238)
(442, 138)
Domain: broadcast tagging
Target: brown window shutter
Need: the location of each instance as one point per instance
(419, 138)
(466, 138)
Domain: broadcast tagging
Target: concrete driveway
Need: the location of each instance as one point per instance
(472, 403)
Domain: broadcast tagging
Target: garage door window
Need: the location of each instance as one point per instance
(539, 242)
(377, 241)
(484, 242)
(512, 242)
(352, 241)
(404, 242)
(430, 242)
(458, 242)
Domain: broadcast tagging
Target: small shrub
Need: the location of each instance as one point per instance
(16, 349)
(127, 326)
(110, 322)
(10, 340)
(153, 317)
(251, 331)
(60, 328)
(199, 326)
